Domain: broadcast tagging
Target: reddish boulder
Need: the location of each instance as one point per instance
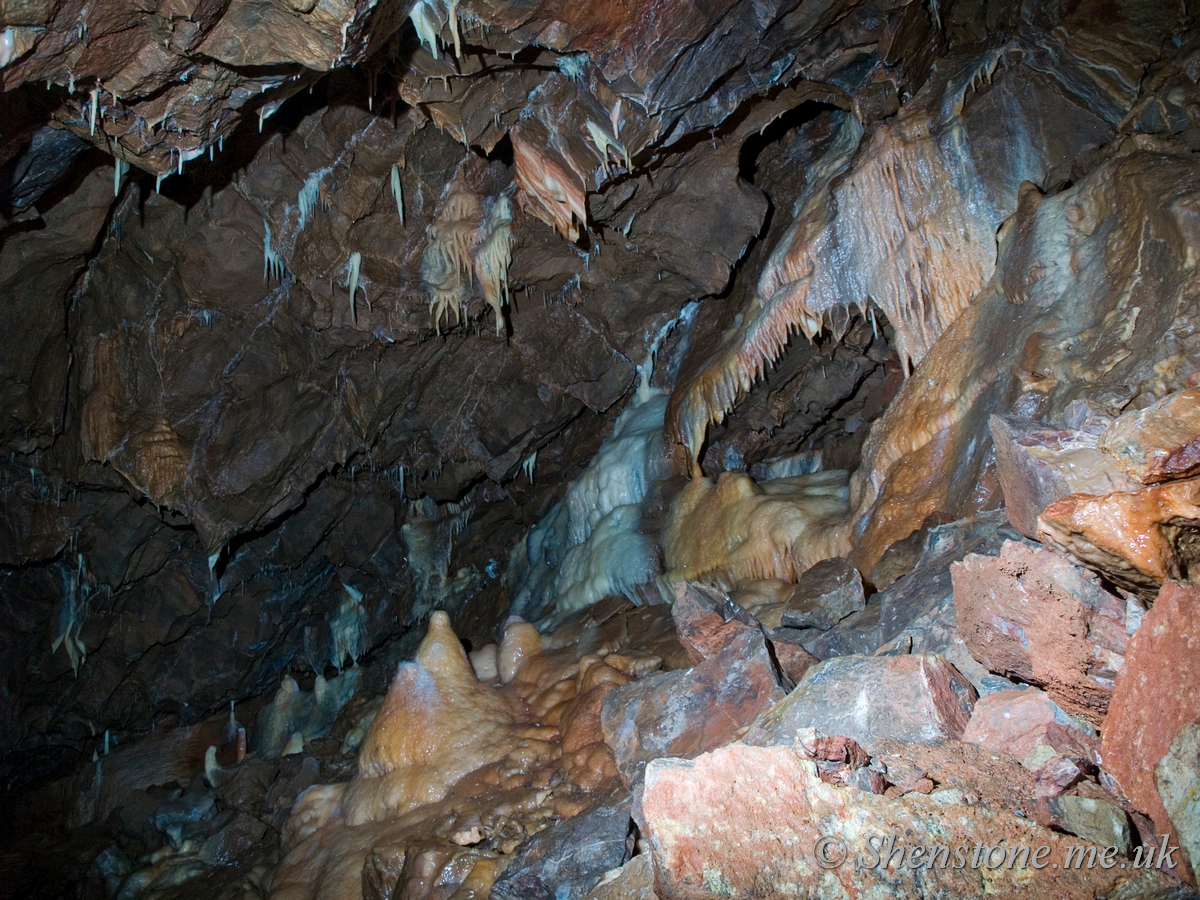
(1157, 696)
(688, 712)
(1031, 614)
(706, 620)
(759, 822)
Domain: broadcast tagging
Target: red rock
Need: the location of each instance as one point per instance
(1157, 696)
(1038, 465)
(689, 712)
(707, 620)
(793, 659)
(1031, 614)
(1138, 540)
(869, 698)
(745, 822)
(1160, 442)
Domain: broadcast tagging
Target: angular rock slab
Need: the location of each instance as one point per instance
(1160, 442)
(687, 713)
(918, 698)
(1038, 465)
(1157, 696)
(567, 860)
(826, 593)
(1025, 724)
(1031, 614)
(706, 620)
(1178, 777)
(745, 822)
(1138, 540)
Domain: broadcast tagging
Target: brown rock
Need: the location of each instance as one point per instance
(1031, 614)
(707, 620)
(749, 822)
(868, 698)
(1160, 442)
(991, 777)
(1038, 465)
(1138, 540)
(687, 713)
(633, 881)
(1157, 695)
(793, 659)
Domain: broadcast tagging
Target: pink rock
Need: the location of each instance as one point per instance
(1160, 442)
(1031, 614)
(1012, 721)
(759, 822)
(1157, 695)
(706, 620)
(1038, 465)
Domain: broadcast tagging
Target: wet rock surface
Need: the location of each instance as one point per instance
(326, 320)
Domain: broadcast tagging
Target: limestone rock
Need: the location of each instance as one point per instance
(1021, 723)
(1157, 696)
(1178, 777)
(869, 698)
(1093, 820)
(706, 620)
(568, 859)
(1138, 540)
(758, 821)
(686, 713)
(826, 593)
(1160, 442)
(1033, 615)
(1038, 465)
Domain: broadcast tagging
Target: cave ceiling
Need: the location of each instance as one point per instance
(296, 290)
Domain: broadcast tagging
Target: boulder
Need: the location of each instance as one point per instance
(1038, 465)
(1160, 442)
(1032, 615)
(685, 713)
(825, 594)
(747, 822)
(1022, 723)
(569, 858)
(1156, 698)
(868, 698)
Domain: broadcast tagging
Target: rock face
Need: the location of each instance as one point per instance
(869, 698)
(1033, 615)
(774, 828)
(1157, 696)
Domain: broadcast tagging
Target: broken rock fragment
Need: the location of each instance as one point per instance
(1032, 615)
(1156, 698)
(1160, 442)
(1138, 540)
(868, 698)
(827, 592)
(1038, 465)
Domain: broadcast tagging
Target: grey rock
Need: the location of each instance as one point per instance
(826, 594)
(567, 860)
(1178, 778)
(1094, 820)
